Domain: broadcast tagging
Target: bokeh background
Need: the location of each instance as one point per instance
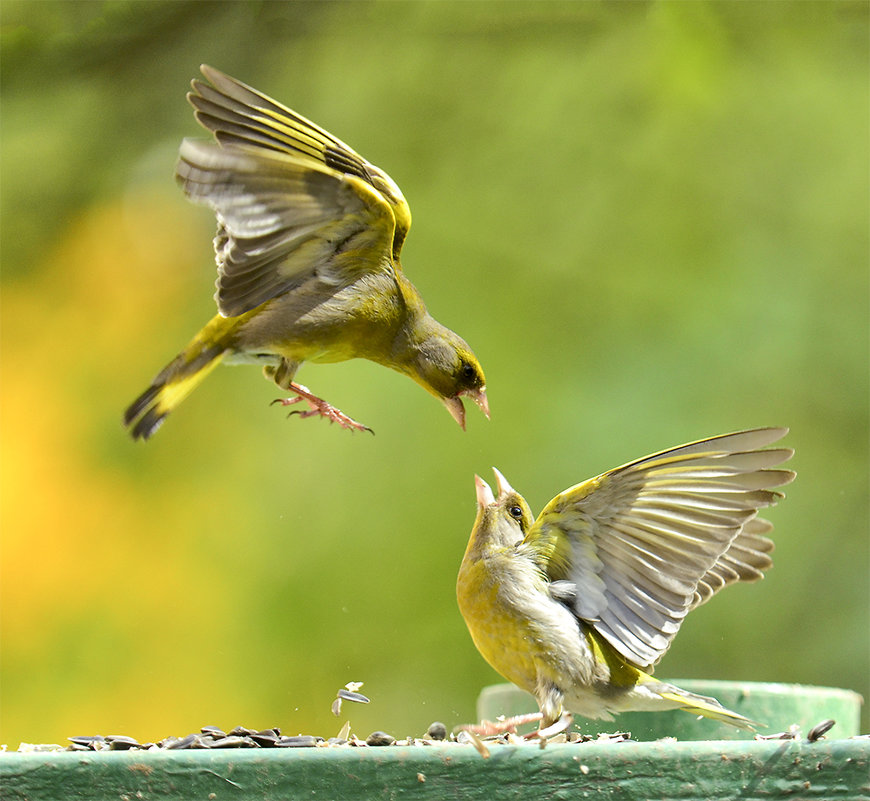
(649, 219)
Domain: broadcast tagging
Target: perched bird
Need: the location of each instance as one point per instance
(307, 249)
(576, 606)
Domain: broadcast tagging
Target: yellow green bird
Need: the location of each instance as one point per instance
(307, 248)
(576, 606)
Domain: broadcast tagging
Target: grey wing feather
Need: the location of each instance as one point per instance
(239, 115)
(746, 559)
(652, 539)
(282, 220)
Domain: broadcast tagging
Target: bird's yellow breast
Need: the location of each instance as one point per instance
(505, 636)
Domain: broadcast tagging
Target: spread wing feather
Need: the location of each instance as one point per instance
(656, 537)
(283, 220)
(746, 559)
(292, 201)
(238, 114)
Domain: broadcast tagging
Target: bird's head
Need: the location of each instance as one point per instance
(447, 368)
(503, 519)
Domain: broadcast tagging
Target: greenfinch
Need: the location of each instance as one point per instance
(307, 248)
(576, 606)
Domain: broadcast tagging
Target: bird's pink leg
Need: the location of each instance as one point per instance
(319, 407)
(486, 728)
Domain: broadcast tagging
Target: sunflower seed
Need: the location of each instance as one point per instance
(820, 730)
(121, 743)
(380, 738)
(299, 741)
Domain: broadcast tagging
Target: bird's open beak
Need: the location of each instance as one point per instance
(457, 410)
(501, 482)
(479, 397)
(484, 493)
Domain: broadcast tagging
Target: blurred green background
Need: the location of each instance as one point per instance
(649, 219)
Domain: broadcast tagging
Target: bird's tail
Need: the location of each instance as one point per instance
(180, 377)
(705, 706)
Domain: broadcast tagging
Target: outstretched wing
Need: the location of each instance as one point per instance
(291, 200)
(283, 220)
(637, 547)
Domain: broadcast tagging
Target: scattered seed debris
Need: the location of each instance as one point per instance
(615, 737)
(35, 748)
(471, 736)
(793, 733)
(349, 693)
(213, 737)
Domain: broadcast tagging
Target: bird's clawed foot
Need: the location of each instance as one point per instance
(488, 728)
(508, 726)
(319, 407)
(562, 723)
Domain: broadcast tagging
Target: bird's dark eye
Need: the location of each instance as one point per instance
(515, 512)
(468, 372)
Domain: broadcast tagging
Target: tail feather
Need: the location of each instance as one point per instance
(707, 707)
(179, 378)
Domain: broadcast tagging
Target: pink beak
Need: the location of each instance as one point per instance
(484, 493)
(457, 410)
(501, 482)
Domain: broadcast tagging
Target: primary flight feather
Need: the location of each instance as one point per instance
(307, 248)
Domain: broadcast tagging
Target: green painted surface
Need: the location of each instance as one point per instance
(829, 770)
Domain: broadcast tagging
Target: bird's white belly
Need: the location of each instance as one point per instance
(589, 702)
